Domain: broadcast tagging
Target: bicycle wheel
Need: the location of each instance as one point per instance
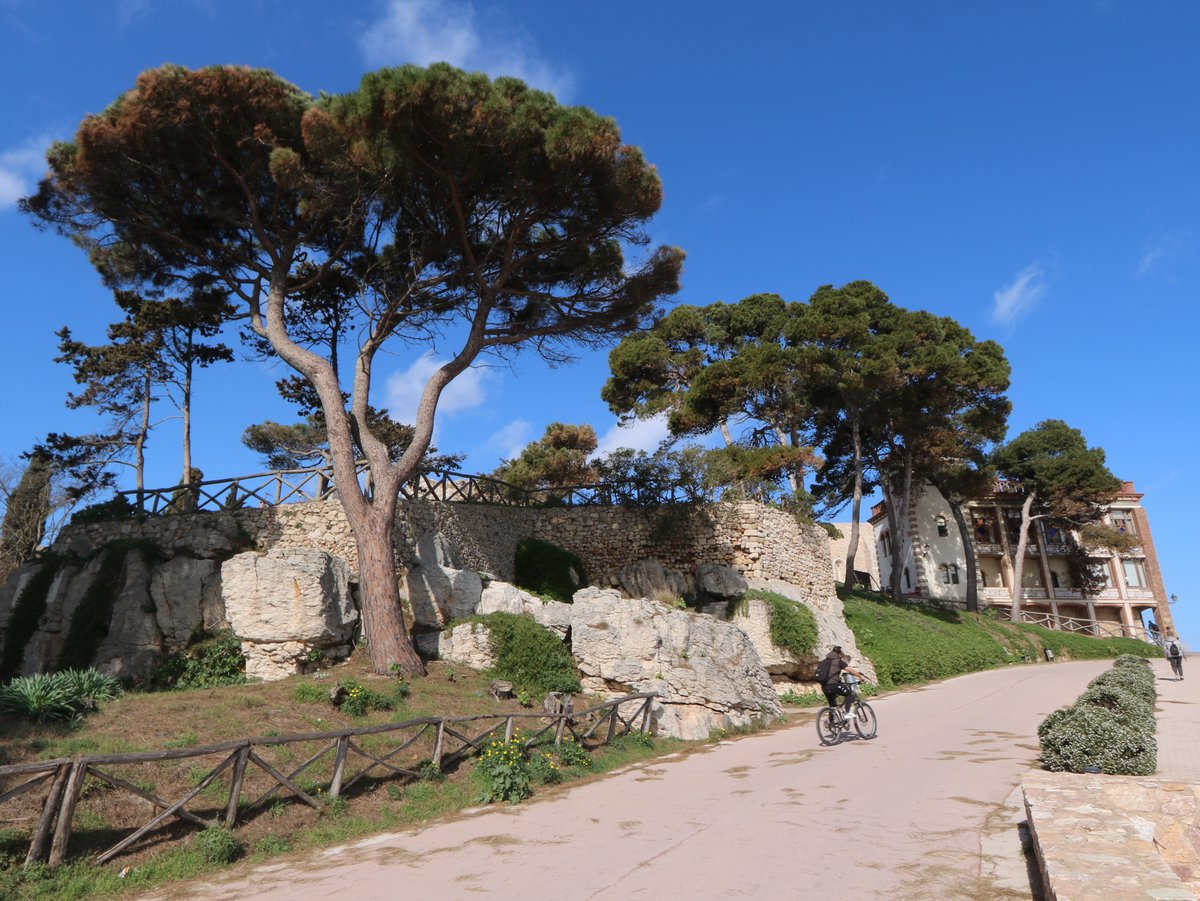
(864, 720)
(829, 726)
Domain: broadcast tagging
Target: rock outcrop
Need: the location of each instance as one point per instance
(706, 672)
(285, 604)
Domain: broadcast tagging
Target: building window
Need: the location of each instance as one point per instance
(1054, 579)
(941, 527)
(985, 529)
(1122, 521)
(907, 579)
(1135, 574)
(1102, 574)
(950, 573)
(886, 540)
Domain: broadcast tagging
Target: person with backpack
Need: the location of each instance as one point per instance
(1175, 655)
(829, 674)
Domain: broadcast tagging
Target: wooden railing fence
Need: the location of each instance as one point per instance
(348, 753)
(271, 489)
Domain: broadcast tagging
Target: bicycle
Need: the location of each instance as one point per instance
(832, 724)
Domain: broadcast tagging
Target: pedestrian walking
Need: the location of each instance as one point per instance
(1175, 656)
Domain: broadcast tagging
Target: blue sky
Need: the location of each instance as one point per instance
(1029, 168)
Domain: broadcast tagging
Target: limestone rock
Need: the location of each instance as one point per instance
(274, 660)
(439, 595)
(650, 579)
(706, 671)
(720, 581)
(831, 630)
(289, 594)
(467, 644)
(500, 597)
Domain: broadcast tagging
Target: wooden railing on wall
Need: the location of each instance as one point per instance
(285, 486)
(442, 742)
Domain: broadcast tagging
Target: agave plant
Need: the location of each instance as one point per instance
(90, 686)
(41, 698)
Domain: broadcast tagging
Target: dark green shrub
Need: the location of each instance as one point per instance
(1125, 706)
(573, 754)
(1131, 660)
(310, 693)
(793, 627)
(359, 700)
(543, 768)
(26, 612)
(209, 663)
(1084, 736)
(63, 697)
(219, 845)
(111, 510)
(1135, 680)
(528, 655)
(547, 569)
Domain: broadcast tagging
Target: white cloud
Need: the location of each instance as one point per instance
(403, 389)
(509, 441)
(430, 31)
(641, 434)
(20, 168)
(1021, 296)
(1163, 250)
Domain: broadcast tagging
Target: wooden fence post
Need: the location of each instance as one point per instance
(235, 786)
(646, 715)
(560, 729)
(62, 831)
(37, 847)
(612, 724)
(508, 730)
(439, 744)
(339, 766)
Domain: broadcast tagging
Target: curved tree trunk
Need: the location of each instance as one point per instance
(969, 552)
(1019, 562)
(379, 594)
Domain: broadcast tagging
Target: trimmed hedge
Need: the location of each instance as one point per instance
(1110, 727)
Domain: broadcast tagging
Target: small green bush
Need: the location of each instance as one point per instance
(359, 699)
(1085, 736)
(61, 697)
(543, 768)
(310, 693)
(1137, 681)
(633, 740)
(573, 754)
(209, 663)
(547, 569)
(1125, 706)
(793, 627)
(528, 655)
(273, 844)
(218, 845)
(502, 772)
(111, 510)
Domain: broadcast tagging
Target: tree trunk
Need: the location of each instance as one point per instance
(139, 445)
(379, 595)
(964, 533)
(1019, 562)
(897, 541)
(185, 409)
(855, 504)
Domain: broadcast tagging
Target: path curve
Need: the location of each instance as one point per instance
(765, 817)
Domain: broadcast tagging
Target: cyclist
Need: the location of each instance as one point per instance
(829, 674)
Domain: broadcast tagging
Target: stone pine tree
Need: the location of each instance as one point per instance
(479, 211)
(852, 367)
(561, 458)
(1058, 477)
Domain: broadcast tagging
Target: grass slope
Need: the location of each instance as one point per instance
(914, 643)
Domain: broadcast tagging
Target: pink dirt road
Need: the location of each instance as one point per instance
(769, 816)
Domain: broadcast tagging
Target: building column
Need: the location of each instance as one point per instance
(1131, 631)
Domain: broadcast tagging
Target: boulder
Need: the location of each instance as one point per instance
(468, 644)
(439, 595)
(650, 579)
(501, 597)
(286, 603)
(720, 581)
(831, 630)
(706, 672)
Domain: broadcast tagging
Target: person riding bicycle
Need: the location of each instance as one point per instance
(829, 674)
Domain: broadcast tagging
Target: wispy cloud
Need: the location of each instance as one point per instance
(430, 31)
(641, 434)
(128, 11)
(20, 168)
(1017, 299)
(403, 389)
(1161, 251)
(509, 441)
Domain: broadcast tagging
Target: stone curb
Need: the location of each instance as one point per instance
(1114, 838)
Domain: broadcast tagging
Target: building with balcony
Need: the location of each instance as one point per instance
(1131, 594)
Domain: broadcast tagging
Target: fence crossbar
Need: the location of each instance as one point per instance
(26, 786)
(159, 803)
(386, 757)
(269, 793)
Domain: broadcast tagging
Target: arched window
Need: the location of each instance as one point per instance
(886, 541)
(941, 527)
(950, 573)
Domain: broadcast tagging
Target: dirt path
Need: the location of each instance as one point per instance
(766, 817)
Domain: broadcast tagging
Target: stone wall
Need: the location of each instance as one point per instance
(178, 590)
